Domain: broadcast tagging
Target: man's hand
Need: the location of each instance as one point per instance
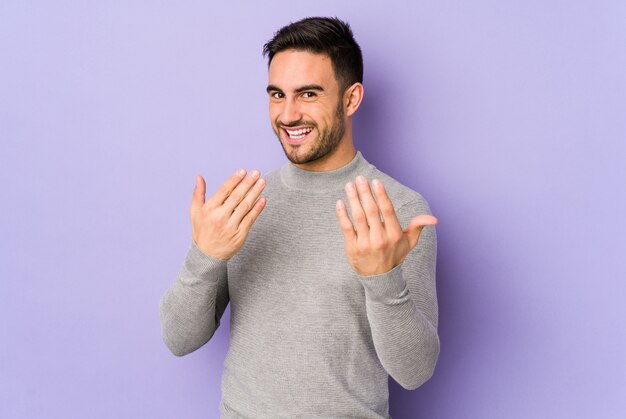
(221, 225)
(375, 245)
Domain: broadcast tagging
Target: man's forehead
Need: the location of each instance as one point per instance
(294, 68)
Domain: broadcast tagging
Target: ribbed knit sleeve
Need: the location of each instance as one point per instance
(191, 309)
(401, 308)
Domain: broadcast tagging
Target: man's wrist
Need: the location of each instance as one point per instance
(199, 263)
(386, 287)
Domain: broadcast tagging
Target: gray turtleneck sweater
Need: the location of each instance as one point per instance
(310, 338)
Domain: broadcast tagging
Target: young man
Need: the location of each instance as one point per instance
(328, 298)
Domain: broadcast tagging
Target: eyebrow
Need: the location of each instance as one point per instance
(272, 88)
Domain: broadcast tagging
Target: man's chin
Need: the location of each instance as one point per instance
(306, 152)
(296, 157)
(297, 154)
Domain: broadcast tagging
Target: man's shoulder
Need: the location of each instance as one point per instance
(273, 178)
(273, 174)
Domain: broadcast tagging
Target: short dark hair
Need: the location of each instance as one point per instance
(325, 35)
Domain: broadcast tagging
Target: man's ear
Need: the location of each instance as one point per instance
(352, 98)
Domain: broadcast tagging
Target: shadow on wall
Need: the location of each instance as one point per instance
(370, 135)
(476, 318)
(477, 321)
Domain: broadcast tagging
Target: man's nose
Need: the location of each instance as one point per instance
(291, 112)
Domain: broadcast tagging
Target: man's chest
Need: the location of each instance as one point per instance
(297, 252)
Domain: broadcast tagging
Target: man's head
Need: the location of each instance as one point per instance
(322, 35)
(315, 85)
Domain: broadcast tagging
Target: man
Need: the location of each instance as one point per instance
(327, 298)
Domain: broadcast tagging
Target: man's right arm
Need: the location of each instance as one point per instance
(191, 309)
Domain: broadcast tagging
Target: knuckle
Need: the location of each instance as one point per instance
(359, 216)
(241, 232)
(244, 224)
(217, 223)
(247, 220)
(234, 180)
(372, 212)
(361, 248)
(230, 230)
(217, 220)
(245, 206)
(395, 237)
(387, 209)
(204, 209)
(236, 196)
(379, 244)
(254, 213)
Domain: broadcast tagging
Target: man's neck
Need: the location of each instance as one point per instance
(342, 155)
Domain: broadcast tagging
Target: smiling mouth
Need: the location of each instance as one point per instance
(295, 136)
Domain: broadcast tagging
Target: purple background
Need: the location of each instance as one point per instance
(508, 117)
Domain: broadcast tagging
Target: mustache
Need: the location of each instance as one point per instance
(295, 124)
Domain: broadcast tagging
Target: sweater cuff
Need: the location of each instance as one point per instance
(388, 288)
(202, 265)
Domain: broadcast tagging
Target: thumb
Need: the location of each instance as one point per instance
(416, 225)
(199, 193)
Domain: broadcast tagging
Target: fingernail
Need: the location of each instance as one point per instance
(360, 179)
(254, 174)
(260, 183)
(241, 172)
(349, 187)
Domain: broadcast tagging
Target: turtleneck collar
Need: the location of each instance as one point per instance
(324, 181)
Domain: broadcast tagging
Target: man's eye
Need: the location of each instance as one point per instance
(277, 95)
(309, 94)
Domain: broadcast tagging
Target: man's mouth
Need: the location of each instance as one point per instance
(297, 135)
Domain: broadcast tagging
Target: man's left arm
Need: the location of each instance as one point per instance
(397, 269)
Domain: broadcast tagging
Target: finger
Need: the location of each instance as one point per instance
(248, 202)
(369, 206)
(252, 215)
(344, 221)
(227, 188)
(358, 215)
(240, 191)
(199, 192)
(390, 219)
(416, 225)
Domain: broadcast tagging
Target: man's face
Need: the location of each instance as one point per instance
(306, 107)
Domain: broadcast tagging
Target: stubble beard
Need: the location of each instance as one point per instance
(328, 140)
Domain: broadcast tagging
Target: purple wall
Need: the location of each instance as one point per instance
(507, 116)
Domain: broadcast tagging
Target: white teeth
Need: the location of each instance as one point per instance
(299, 132)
